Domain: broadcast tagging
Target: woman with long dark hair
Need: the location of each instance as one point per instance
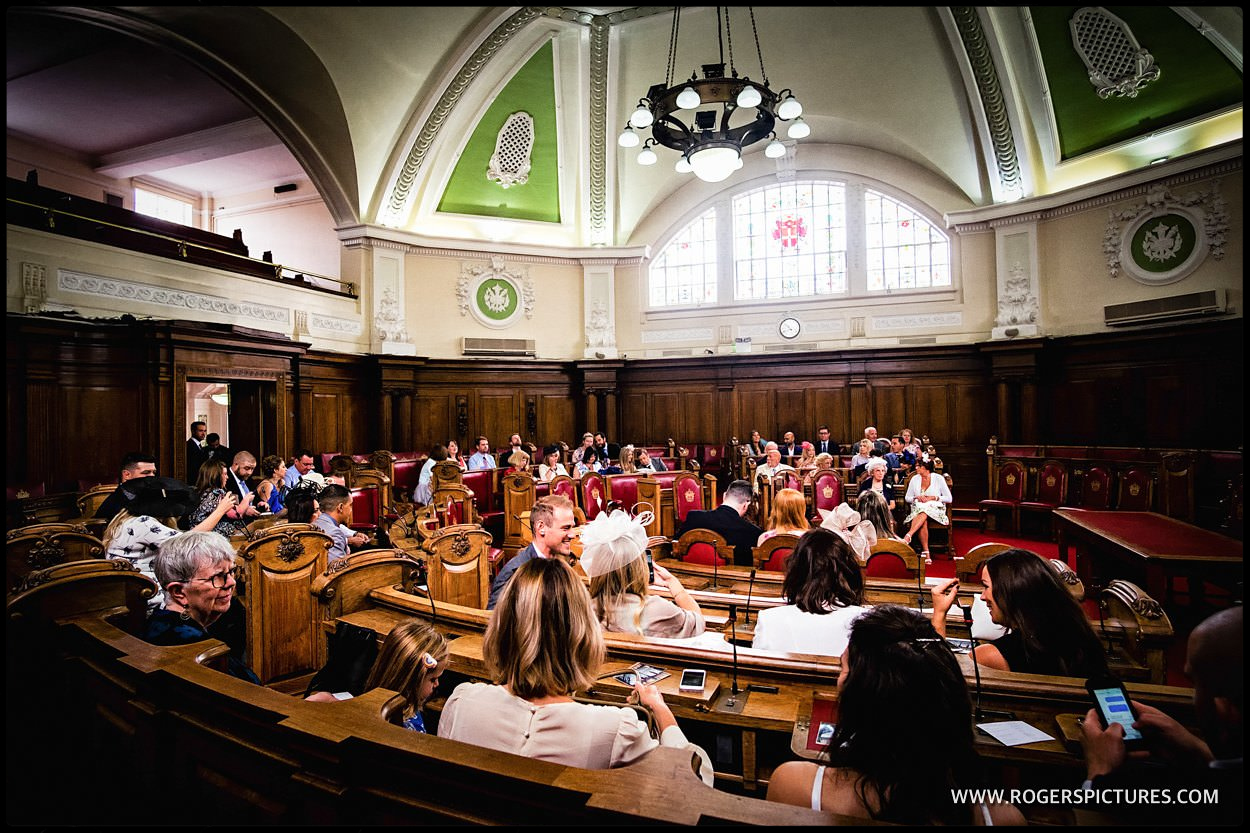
(1048, 632)
(895, 660)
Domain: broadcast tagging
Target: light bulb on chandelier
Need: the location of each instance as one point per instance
(789, 108)
(749, 97)
(798, 129)
(647, 156)
(628, 138)
(641, 118)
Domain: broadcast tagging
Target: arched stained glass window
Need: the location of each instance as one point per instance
(820, 238)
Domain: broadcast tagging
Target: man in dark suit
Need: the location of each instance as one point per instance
(134, 464)
(825, 445)
(608, 450)
(727, 520)
(514, 445)
(216, 451)
(789, 447)
(197, 452)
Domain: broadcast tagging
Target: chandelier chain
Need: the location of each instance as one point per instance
(672, 47)
(758, 51)
(729, 36)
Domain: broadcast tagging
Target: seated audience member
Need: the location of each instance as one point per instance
(481, 459)
(772, 465)
(858, 532)
(150, 517)
(613, 549)
(214, 450)
(589, 462)
(519, 462)
(335, 503)
(301, 503)
(196, 571)
(273, 488)
(453, 453)
(894, 661)
(340, 470)
(1174, 758)
(423, 494)
(210, 491)
(876, 479)
(928, 496)
(645, 462)
(824, 588)
(788, 515)
(755, 447)
(514, 445)
(789, 447)
(825, 445)
(822, 462)
(629, 460)
(807, 457)
(1048, 632)
(551, 467)
(412, 660)
(588, 440)
(238, 473)
(134, 464)
(541, 646)
(301, 464)
(552, 521)
(871, 507)
(607, 451)
(727, 520)
(863, 453)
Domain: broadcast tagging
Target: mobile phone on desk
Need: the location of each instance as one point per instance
(692, 679)
(1113, 706)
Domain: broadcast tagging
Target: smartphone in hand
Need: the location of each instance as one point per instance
(1112, 704)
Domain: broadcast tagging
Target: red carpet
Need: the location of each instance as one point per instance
(966, 538)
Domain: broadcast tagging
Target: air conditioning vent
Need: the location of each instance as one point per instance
(788, 347)
(1211, 302)
(497, 346)
(912, 341)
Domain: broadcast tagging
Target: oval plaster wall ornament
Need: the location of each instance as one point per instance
(1163, 247)
(496, 295)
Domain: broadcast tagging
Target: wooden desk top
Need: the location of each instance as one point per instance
(1153, 536)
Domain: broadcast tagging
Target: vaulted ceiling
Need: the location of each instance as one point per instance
(391, 112)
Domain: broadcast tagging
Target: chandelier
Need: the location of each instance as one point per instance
(710, 120)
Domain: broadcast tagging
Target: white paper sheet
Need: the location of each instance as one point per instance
(1014, 732)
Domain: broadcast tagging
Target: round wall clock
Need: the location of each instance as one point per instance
(790, 327)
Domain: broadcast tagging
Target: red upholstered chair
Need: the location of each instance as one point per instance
(367, 514)
(622, 489)
(1136, 492)
(703, 546)
(1176, 486)
(594, 500)
(826, 492)
(772, 554)
(1008, 492)
(326, 457)
(1095, 489)
(687, 496)
(893, 559)
(563, 485)
(1052, 490)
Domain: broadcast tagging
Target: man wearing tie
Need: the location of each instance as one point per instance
(824, 445)
(241, 469)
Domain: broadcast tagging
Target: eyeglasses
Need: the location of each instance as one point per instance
(218, 580)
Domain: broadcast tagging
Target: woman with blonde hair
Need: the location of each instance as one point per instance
(807, 457)
(519, 462)
(542, 646)
(788, 515)
(613, 546)
(413, 659)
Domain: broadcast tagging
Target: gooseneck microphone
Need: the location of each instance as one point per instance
(746, 618)
(733, 640)
(980, 713)
(423, 583)
(715, 565)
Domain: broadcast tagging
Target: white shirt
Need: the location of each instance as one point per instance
(790, 630)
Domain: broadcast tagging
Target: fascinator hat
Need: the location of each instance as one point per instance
(613, 540)
(875, 463)
(857, 532)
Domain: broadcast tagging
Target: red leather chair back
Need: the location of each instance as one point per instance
(886, 565)
(562, 485)
(826, 491)
(1052, 484)
(687, 496)
(1136, 491)
(366, 508)
(1010, 481)
(623, 488)
(1096, 488)
(703, 554)
(777, 561)
(593, 498)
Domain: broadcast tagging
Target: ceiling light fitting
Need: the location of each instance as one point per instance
(730, 113)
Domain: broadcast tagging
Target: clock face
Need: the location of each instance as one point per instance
(789, 328)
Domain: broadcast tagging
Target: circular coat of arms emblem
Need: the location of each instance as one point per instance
(1163, 248)
(496, 301)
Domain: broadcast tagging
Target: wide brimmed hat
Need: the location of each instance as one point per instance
(160, 497)
(846, 522)
(612, 540)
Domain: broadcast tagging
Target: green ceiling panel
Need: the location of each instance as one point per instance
(1196, 79)
(531, 90)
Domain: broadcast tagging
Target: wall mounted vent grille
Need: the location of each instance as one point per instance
(1210, 302)
(497, 346)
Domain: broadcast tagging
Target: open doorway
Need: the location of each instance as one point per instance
(209, 402)
(242, 412)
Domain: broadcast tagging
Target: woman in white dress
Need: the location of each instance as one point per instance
(928, 496)
(542, 645)
(824, 586)
(613, 545)
(551, 467)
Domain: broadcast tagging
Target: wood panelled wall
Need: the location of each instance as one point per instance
(82, 393)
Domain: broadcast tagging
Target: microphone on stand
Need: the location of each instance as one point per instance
(1102, 623)
(979, 713)
(746, 619)
(715, 564)
(920, 594)
(423, 582)
(733, 640)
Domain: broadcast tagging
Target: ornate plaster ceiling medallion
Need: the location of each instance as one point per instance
(1117, 63)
